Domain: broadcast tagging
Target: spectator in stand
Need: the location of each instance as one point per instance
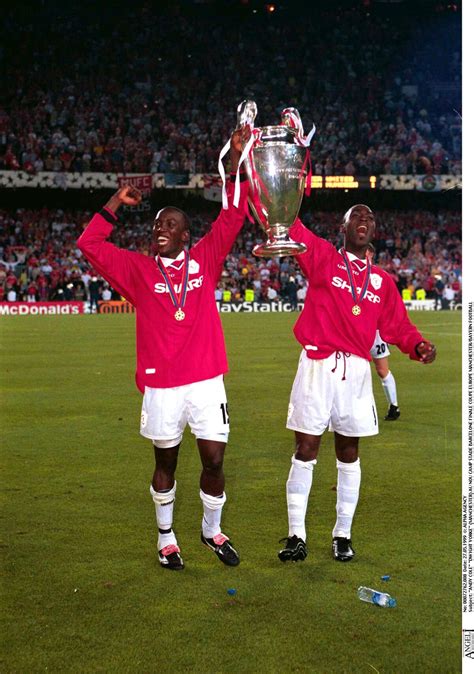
(32, 293)
(94, 294)
(439, 291)
(272, 294)
(456, 286)
(106, 293)
(302, 291)
(291, 293)
(448, 295)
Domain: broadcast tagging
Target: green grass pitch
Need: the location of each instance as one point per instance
(82, 589)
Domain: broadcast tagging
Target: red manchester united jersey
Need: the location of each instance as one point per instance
(170, 352)
(327, 322)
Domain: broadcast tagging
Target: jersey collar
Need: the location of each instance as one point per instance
(176, 262)
(360, 264)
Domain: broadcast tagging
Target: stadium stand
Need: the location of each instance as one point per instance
(39, 259)
(384, 97)
(382, 87)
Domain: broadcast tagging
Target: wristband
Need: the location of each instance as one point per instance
(108, 215)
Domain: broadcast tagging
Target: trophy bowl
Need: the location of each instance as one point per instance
(276, 168)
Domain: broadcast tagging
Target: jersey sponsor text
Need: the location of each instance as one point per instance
(192, 284)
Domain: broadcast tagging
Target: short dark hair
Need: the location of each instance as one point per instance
(186, 218)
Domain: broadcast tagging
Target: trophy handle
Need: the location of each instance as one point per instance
(246, 113)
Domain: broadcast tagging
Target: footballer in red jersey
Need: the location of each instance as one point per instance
(181, 356)
(348, 299)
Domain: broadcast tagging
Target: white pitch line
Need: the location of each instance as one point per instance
(375, 670)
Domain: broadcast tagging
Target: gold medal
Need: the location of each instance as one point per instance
(357, 295)
(177, 300)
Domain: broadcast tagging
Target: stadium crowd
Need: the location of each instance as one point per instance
(39, 260)
(383, 90)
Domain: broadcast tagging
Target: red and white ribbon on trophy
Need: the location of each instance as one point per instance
(246, 113)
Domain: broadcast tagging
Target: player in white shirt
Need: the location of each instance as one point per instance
(380, 353)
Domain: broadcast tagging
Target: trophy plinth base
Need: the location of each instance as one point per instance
(279, 248)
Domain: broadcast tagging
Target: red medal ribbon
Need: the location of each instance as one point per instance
(357, 297)
(177, 300)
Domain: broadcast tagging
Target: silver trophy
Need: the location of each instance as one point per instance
(277, 164)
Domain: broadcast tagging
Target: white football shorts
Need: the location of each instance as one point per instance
(334, 392)
(202, 405)
(380, 348)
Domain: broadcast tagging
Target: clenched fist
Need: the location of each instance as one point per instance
(127, 195)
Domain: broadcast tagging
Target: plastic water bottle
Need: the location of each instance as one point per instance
(374, 597)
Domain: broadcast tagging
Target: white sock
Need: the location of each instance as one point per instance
(348, 485)
(164, 504)
(390, 389)
(298, 487)
(211, 519)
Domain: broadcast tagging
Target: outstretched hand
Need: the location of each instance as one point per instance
(426, 352)
(239, 138)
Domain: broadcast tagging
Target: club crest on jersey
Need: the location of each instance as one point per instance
(376, 281)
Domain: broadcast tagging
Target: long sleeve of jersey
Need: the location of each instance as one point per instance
(115, 264)
(220, 239)
(394, 325)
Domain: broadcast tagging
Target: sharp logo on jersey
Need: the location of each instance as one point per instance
(192, 284)
(376, 281)
(344, 285)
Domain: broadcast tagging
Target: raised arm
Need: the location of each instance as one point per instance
(318, 249)
(114, 264)
(225, 228)
(302, 234)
